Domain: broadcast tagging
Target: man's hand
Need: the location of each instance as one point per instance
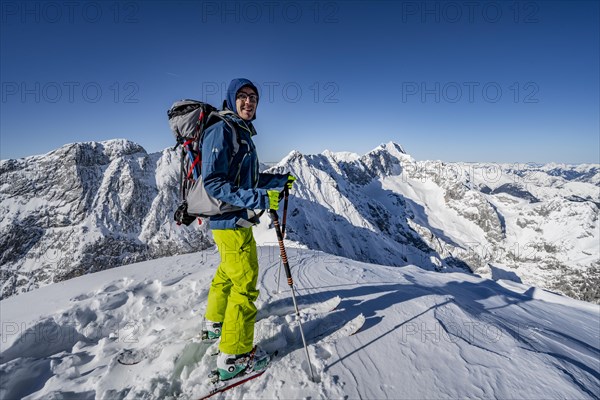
(273, 199)
(290, 183)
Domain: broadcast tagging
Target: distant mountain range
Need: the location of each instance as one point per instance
(91, 206)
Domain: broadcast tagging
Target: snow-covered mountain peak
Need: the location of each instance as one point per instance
(103, 152)
(392, 148)
(291, 157)
(121, 147)
(341, 156)
(386, 159)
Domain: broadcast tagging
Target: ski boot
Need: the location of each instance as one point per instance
(232, 365)
(212, 330)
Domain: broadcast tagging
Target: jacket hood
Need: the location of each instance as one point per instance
(234, 86)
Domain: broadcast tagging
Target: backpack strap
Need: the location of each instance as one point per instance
(241, 124)
(222, 115)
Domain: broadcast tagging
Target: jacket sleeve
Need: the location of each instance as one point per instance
(272, 181)
(217, 151)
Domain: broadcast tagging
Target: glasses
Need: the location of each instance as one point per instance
(244, 96)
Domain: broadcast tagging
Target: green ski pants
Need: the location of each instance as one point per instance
(233, 289)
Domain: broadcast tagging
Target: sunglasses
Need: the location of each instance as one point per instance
(243, 97)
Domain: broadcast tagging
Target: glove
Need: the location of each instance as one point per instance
(273, 199)
(290, 182)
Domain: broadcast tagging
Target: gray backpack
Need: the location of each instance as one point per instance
(188, 120)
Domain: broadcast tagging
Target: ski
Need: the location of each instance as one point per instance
(329, 328)
(314, 308)
(226, 385)
(218, 386)
(351, 328)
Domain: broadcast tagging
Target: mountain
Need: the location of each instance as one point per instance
(87, 207)
(426, 335)
(91, 206)
(536, 224)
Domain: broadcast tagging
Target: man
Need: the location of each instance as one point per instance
(235, 179)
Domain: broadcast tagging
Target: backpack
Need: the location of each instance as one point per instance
(188, 120)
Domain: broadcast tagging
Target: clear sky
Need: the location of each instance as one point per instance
(498, 81)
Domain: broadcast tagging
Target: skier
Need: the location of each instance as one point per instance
(235, 179)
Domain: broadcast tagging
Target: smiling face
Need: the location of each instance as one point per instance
(246, 101)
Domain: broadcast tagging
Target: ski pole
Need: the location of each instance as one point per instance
(279, 275)
(286, 196)
(285, 208)
(288, 273)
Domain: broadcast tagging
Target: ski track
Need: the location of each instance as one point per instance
(497, 342)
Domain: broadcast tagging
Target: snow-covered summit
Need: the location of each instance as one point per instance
(341, 156)
(393, 149)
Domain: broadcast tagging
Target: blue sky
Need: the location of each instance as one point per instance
(456, 81)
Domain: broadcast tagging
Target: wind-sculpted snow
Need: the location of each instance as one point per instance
(92, 206)
(426, 335)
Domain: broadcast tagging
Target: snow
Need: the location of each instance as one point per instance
(426, 334)
(433, 212)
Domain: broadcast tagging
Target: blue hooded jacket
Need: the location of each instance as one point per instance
(235, 178)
